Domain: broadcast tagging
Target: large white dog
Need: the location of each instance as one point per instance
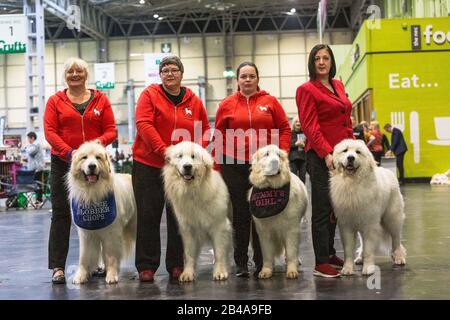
(201, 205)
(91, 182)
(280, 233)
(366, 199)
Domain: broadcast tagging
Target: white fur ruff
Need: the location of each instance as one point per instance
(114, 242)
(201, 204)
(366, 199)
(280, 233)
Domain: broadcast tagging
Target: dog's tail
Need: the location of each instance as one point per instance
(129, 237)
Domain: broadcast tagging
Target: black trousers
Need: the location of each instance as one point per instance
(236, 179)
(149, 193)
(298, 167)
(377, 156)
(58, 244)
(323, 220)
(401, 170)
(39, 176)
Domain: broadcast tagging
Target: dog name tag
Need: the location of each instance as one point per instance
(269, 202)
(93, 216)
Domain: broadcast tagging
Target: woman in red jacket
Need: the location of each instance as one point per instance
(71, 117)
(162, 109)
(324, 113)
(247, 120)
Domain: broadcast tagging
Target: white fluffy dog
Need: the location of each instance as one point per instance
(278, 233)
(201, 205)
(90, 180)
(366, 199)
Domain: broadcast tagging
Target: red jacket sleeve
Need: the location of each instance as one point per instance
(108, 125)
(145, 119)
(282, 124)
(307, 111)
(51, 128)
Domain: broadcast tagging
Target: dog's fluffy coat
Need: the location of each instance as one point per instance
(201, 204)
(366, 199)
(280, 233)
(90, 179)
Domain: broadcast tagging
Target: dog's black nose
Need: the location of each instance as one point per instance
(187, 167)
(351, 158)
(92, 166)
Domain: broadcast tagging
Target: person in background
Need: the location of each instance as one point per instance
(358, 130)
(375, 143)
(72, 116)
(297, 156)
(324, 112)
(398, 148)
(253, 111)
(35, 162)
(161, 110)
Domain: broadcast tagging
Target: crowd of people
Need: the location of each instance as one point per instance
(78, 114)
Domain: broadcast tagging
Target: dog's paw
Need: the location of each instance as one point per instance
(186, 276)
(220, 275)
(368, 269)
(347, 270)
(80, 278)
(292, 274)
(399, 256)
(112, 278)
(265, 273)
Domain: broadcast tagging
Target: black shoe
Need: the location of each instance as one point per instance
(100, 273)
(60, 278)
(242, 272)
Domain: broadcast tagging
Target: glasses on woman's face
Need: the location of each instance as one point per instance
(247, 76)
(166, 72)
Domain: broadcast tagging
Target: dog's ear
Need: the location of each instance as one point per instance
(167, 154)
(255, 156)
(207, 159)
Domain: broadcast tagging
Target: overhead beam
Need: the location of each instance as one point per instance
(93, 21)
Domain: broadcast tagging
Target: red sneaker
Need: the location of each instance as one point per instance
(325, 270)
(175, 273)
(336, 262)
(146, 276)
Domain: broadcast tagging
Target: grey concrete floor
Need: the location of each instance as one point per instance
(24, 273)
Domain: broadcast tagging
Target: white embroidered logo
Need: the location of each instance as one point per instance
(263, 108)
(96, 112)
(188, 111)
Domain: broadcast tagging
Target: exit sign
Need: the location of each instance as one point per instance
(13, 35)
(166, 47)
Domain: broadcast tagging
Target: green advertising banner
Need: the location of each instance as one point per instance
(412, 92)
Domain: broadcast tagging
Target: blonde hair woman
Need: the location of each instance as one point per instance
(72, 116)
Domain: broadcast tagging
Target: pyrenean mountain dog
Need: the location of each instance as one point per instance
(278, 201)
(366, 199)
(104, 210)
(201, 205)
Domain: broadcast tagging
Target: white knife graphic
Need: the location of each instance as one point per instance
(414, 134)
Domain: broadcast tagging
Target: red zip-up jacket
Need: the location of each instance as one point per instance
(261, 111)
(66, 129)
(157, 119)
(324, 117)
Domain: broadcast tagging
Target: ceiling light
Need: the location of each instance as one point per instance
(160, 18)
(142, 1)
(293, 10)
(155, 15)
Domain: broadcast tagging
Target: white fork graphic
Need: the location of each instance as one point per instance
(398, 120)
